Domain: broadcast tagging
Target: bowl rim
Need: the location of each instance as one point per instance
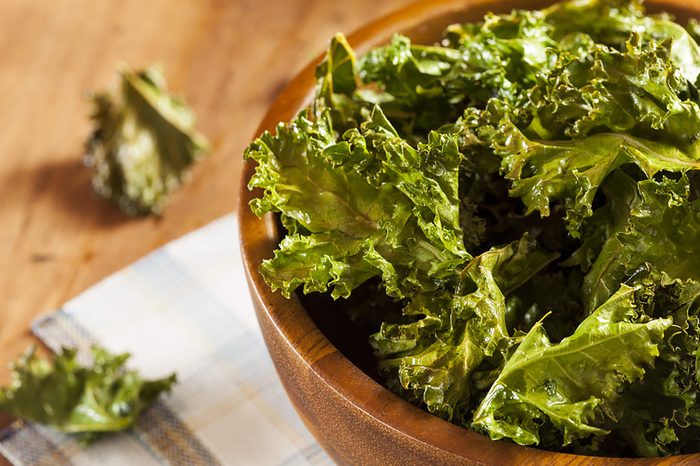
(297, 329)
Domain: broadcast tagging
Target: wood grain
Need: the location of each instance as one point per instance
(228, 58)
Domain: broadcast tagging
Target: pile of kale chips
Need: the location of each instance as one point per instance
(526, 195)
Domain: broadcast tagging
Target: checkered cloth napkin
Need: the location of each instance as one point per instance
(183, 308)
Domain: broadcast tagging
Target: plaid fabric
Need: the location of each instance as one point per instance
(183, 308)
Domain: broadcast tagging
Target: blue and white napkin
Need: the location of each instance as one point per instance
(184, 308)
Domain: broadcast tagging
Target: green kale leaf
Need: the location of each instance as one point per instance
(367, 205)
(448, 334)
(513, 215)
(567, 385)
(658, 415)
(639, 90)
(661, 229)
(143, 143)
(571, 171)
(613, 22)
(75, 399)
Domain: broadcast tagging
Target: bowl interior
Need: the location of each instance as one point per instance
(422, 23)
(351, 337)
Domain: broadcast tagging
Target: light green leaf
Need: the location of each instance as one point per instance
(143, 143)
(75, 399)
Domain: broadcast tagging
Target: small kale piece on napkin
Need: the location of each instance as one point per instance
(75, 399)
(143, 143)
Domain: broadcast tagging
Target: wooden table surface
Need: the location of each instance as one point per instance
(228, 58)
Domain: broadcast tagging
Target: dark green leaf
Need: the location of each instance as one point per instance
(449, 333)
(662, 228)
(567, 385)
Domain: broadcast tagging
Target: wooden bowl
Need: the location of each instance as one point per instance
(354, 418)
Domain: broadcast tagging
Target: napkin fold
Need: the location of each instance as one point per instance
(184, 308)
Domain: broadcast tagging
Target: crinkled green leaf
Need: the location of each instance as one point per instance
(612, 22)
(369, 204)
(572, 171)
(143, 143)
(567, 385)
(421, 88)
(658, 415)
(639, 90)
(449, 333)
(407, 81)
(620, 192)
(76, 399)
(662, 228)
(501, 56)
